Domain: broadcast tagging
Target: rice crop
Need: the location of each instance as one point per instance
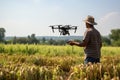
(46, 62)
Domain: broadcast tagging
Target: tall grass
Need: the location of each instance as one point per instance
(52, 50)
(40, 49)
(45, 62)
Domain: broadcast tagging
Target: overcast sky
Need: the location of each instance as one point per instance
(24, 17)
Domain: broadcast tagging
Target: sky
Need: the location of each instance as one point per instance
(26, 17)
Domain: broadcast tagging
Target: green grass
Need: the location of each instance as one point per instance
(52, 50)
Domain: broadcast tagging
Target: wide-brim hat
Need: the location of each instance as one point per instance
(90, 20)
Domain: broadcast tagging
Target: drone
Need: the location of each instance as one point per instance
(64, 29)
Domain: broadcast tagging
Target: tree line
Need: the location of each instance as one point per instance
(113, 39)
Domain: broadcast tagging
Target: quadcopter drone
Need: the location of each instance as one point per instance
(64, 29)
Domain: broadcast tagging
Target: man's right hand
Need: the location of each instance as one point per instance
(71, 43)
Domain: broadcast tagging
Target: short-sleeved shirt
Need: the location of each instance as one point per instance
(92, 39)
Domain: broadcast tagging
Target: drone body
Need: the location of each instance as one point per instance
(63, 29)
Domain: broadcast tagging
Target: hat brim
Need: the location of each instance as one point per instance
(90, 22)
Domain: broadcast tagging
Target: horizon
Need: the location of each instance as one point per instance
(48, 36)
(26, 17)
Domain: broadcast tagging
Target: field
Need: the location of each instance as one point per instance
(45, 62)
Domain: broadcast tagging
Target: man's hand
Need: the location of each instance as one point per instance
(73, 43)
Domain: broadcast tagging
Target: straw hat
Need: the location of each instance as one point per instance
(90, 20)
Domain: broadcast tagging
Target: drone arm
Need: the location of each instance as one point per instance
(73, 28)
(53, 28)
(56, 28)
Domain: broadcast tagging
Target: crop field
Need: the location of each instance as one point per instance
(48, 62)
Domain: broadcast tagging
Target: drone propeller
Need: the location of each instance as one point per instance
(58, 25)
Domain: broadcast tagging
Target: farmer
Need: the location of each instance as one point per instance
(91, 42)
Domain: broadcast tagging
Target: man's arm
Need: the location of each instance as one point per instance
(84, 42)
(73, 43)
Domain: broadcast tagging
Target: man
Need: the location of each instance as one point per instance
(91, 42)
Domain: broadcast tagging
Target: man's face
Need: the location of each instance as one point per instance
(87, 25)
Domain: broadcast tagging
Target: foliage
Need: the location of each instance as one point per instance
(44, 62)
(106, 41)
(115, 37)
(2, 34)
(116, 43)
(23, 40)
(115, 34)
(40, 49)
(51, 50)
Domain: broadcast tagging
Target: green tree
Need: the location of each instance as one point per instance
(51, 41)
(115, 37)
(14, 40)
(22, 40)
(32, 39)
(26, 40)
(2, 34)
(106, 41)
(43, 40)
